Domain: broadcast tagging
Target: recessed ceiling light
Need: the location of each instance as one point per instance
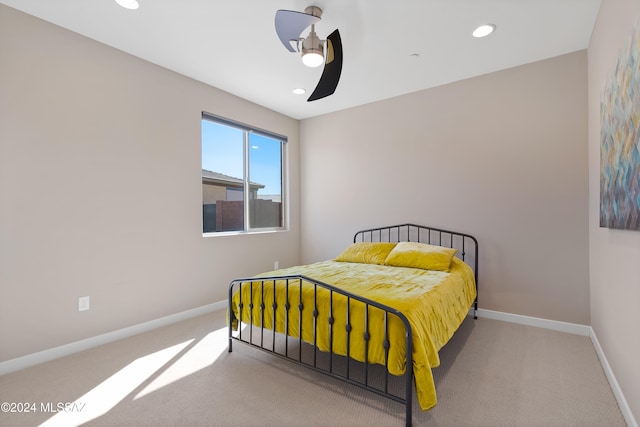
(484, 30)
(299, 91)
(128, 4)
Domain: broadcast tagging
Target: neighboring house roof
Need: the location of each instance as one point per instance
(217, 178)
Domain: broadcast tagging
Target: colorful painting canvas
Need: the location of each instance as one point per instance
(620, 140)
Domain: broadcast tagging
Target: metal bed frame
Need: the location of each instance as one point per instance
(333, 365)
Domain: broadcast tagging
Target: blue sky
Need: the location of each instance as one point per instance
(222, 151)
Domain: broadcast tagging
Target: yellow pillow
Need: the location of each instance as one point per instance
(421, 255)
(367, 252)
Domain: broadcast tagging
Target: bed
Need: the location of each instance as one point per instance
(375, 316)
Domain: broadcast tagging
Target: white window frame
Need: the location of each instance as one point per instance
(284, 205)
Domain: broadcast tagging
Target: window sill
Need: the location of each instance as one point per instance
(244, 233)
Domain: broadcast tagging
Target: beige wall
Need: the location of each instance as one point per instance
(614, 254)
(212, 193)
(101, 190)
(501, 156)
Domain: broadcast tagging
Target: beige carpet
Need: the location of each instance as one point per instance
(492, 374)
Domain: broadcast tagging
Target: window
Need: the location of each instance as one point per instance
(242, 176)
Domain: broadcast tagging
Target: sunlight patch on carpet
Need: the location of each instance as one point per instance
(111, 391)
(203, 354)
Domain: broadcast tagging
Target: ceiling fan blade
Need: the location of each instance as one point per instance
(290, 24)
(332, 68)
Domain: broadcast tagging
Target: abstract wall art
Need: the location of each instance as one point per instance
(620, 140)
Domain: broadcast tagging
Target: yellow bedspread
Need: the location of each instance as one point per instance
(434, 302)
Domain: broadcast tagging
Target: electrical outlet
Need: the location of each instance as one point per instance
(276, 265)
(83, 303)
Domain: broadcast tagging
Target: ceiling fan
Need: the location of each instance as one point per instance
(290, 25)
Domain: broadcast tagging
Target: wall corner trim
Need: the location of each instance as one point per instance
(33, 359)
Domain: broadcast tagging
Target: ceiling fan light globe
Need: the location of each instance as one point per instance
(312, 59)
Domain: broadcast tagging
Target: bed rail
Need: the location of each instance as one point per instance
(466, 244)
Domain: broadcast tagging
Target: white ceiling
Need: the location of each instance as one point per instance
(232, 44)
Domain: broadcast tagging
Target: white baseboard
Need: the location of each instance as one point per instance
(85, 344)
(615, 387)
(571, 328)
(575, 329)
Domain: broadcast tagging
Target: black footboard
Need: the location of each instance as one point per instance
(289, 344)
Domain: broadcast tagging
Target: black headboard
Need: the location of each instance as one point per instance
(466, 244)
